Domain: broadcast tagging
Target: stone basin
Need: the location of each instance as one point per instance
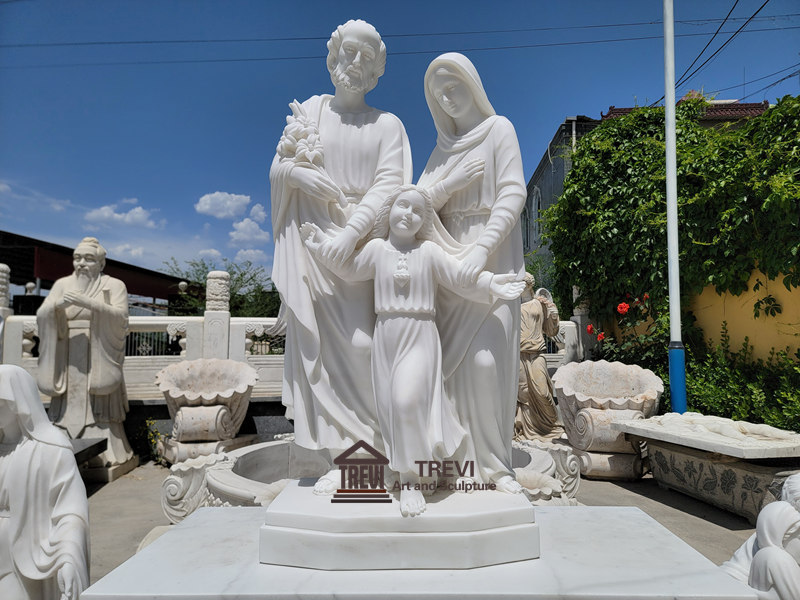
(207, 398)
(256, 474)
(593, 394)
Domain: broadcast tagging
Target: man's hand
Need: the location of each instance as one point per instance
(341, 247)
(77, 299)
(472, 266)
(314, 183)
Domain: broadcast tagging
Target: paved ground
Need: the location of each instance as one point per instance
(122, 513)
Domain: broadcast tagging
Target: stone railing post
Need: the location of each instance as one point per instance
(5, 311)
(217, 317)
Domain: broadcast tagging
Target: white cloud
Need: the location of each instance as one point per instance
(254, 256)
(107, 215)
(222, 205)
(123, 251)
(258, 214)
(211, 253)
(5, 188)
(129, 201)
(247, 233)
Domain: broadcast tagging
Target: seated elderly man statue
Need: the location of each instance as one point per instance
(44, 514)
(82, 326)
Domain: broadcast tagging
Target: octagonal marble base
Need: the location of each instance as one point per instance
(587, 552)
(457, 531)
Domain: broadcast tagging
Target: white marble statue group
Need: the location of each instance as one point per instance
(401, 300)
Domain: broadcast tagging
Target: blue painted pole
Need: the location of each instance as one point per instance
(677, 361)
(677, 377)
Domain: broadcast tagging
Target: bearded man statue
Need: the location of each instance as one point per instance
(82, 327)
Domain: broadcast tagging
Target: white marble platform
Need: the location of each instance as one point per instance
(457, 531)
(587, 552)
(750, 449)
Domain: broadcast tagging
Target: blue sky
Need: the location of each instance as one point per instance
(164, 151)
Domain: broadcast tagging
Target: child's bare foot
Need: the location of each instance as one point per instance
(412, 502)
(328, 483)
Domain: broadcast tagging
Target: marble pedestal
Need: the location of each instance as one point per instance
(586, 552)
(457, 531)
(109, 474)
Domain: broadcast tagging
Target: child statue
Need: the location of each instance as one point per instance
(417, 421)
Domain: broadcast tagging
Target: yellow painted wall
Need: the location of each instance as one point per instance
(764, 333)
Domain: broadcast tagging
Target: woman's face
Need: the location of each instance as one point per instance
(452, 94)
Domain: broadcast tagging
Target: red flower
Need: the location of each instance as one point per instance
(622, 308)
(590, 329)
(601, 336)
(646, 296)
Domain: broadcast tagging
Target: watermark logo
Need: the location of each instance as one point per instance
(362, 478)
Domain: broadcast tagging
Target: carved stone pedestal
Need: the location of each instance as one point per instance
(605, 465)
(174, 451)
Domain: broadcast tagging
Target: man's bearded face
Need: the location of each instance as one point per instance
(355, 67)
(87, 265)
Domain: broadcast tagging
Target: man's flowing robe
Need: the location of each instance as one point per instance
(108, 325)
(327, 385)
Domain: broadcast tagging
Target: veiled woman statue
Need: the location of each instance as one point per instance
(476, 180)
(44, 522)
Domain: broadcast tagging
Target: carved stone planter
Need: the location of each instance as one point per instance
(207, 400)
(594, 394)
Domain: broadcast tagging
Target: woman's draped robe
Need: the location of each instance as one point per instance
(481, 342)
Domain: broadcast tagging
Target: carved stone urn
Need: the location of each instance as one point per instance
(207, 399)
(592, 395)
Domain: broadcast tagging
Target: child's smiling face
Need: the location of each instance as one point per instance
(407, 214)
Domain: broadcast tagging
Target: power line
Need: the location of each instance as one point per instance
(717, 51)
(728, 41)
(708, 43)
(773, 84)
(390, 35)
(400, 53)
(754, 80)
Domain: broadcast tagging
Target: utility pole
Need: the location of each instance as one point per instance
(677, 358)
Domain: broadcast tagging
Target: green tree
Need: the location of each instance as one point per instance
(738, 210)
(738, 207)
(252, 293)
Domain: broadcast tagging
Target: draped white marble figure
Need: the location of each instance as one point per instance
(775, 572)
(336, 163)
(480, 341)
(417, 421)
(44, 514)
